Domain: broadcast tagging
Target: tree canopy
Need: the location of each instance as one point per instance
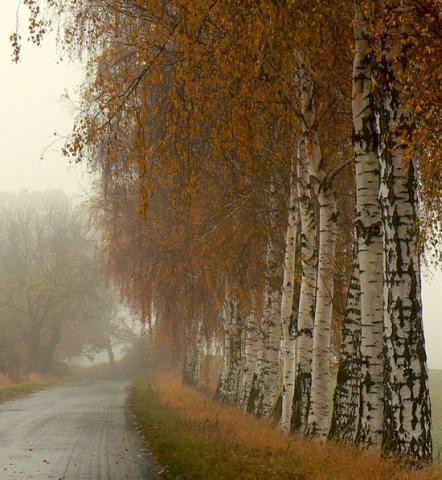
(231, 140)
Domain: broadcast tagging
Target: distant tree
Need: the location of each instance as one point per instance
(103, 327)
(48, 278)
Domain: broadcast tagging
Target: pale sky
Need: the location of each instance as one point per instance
(31, 111)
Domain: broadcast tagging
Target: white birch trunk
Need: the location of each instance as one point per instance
(199, 350)
(193, 354)
(271, 370)
(407, 401)
(255, 391)
(319, 405)
(228, 386)
(317, 423)
(307, 299)
(407, 410)
(226, 352)
(347, 392)
(252, 346)
(369, 232)
(267, 384)
(288, 328)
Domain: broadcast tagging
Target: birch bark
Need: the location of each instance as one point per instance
(287, 316)
(266, 384)
(193, 352)
(307, 299)
(252, 346)
(317, 423)
(271, 370)
(370, 247)
(255, 391)
(319, 406)
(228, 385)
(407, 426)
(347, 393)
(407, 409)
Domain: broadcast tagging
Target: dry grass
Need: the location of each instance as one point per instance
(227, 443)
(27, 384)
(4, 381)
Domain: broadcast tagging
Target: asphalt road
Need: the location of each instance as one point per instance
(75, 432)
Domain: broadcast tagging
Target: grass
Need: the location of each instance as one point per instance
(199, 439)
(30, 383)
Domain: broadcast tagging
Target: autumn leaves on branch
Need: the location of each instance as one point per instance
(258, 170)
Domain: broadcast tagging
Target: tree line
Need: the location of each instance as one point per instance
(268, 175)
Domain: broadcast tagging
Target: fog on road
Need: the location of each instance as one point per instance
(75, 432)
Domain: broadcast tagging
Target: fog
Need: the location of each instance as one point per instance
(38, 98)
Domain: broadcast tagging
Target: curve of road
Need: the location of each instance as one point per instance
(74, 432)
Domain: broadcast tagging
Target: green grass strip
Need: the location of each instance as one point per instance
(200, 451)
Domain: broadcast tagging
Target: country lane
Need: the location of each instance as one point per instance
(74, 432)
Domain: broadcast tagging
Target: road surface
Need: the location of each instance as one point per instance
(74, 432)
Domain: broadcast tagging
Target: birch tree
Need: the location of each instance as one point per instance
(252, 344)
(307, 299)
(181, 102)
(346, 398)
(407, 428)
(370, 245)
(288, 312)
(318, 414)
(228, 385)
(318, 418)
(265, 385)
(193, 351)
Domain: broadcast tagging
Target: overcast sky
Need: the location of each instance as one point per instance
(31, 110)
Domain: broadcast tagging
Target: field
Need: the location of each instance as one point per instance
(436, 401)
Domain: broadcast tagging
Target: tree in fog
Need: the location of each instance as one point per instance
(105, 327)
(48, 278)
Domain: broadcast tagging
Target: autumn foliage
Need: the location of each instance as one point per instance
(206, 123)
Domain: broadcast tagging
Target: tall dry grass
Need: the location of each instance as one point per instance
(228, 443)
